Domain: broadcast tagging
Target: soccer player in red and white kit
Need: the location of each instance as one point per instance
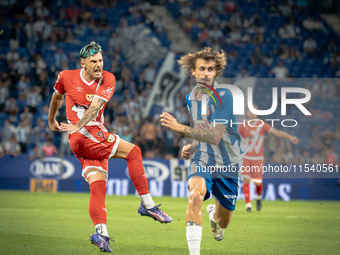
(87, 91)
(252, 133)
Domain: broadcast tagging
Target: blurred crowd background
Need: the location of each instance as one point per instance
(263, 39)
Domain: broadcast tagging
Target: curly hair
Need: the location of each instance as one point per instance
(89, 50)
(188, 62)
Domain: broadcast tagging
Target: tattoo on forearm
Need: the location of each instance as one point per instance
(212, 136)
(90, 114)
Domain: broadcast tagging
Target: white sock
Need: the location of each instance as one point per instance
(101, 229)
(147, 201)
(248, 205)
(258, 197)
(194, 236)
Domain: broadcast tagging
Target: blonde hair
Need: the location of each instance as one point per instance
(188, 62)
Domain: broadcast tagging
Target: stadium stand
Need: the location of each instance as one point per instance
(41, 38)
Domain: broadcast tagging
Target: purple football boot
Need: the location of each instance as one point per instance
(102, 242)
(155, 213)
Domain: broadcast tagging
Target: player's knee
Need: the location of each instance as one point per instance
(95, 175)
(136, 150)
(133, 153)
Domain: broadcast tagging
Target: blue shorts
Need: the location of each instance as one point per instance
(224, 189)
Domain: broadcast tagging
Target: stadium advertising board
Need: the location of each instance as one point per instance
(43, 185)
(154, 170)
(52, 167)
(166, 178)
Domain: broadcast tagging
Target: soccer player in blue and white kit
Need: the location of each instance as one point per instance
(215, 147)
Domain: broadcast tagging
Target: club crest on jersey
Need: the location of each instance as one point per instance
(107, 92)
(111, 138)
(89, 97)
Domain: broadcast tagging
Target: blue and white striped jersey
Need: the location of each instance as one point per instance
(230, 149)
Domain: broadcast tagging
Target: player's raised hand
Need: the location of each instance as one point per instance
(294, 139)
(54, 125)
(169, 121)
(72, 129)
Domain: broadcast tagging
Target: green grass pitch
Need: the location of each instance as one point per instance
(44, 223)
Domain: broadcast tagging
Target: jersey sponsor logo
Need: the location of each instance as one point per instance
(107, 92)
(89, 97)
(154, 170)
(50, 168)
(79, 89)
(202, 124)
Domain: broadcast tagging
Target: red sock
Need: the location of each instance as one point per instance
(259, 189)
(246, 192)
(136, 171)
(97, 207)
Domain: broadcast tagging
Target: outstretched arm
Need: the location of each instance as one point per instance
(56, 102)
(96, 104)
(280, 133)
(212, 136)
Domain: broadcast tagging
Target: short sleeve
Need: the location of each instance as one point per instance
(266, 127)
(107, 87)
(187, 100)
(59, 86)
(224, 112)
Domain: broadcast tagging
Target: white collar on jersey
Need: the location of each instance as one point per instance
(81, 76)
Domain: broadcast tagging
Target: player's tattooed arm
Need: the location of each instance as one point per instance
(92, 112)
(212, 136)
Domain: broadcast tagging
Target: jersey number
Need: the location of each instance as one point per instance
(101, 134)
